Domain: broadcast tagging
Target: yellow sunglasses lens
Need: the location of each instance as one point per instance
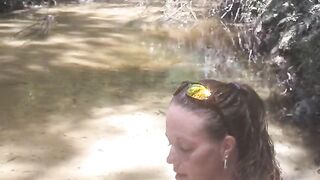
(198, 91)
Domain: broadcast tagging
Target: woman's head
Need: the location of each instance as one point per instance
(211, 123)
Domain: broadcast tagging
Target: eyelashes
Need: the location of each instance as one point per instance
(181, 147)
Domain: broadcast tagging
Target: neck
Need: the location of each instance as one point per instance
(228, 175)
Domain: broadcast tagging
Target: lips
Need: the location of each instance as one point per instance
(181, 176)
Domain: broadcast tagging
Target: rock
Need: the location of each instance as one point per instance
(307, 112)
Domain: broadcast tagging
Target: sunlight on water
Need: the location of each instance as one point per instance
(145, 148)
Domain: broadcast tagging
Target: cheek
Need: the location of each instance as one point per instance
(208, 156)
(204, 164)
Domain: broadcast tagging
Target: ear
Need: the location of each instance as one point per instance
(228, 145)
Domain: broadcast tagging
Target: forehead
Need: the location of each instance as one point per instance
(181, 121)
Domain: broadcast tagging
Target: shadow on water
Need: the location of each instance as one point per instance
(48, 89)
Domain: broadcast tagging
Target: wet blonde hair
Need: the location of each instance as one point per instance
(236, 109)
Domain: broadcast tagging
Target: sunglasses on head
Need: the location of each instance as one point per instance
(195, 90)
(201, 94)
(209, 98)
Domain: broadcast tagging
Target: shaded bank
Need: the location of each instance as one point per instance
(281, 40)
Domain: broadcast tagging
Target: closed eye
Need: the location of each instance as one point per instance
(185, 148)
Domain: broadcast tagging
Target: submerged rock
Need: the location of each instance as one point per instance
(307, 112)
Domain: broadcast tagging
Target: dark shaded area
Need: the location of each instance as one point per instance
(282, 39)
(10, 5)
(7, 6)
(295, 57)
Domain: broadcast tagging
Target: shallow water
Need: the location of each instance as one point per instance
(88, 101)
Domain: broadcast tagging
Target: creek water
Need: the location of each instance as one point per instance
(88, 100)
